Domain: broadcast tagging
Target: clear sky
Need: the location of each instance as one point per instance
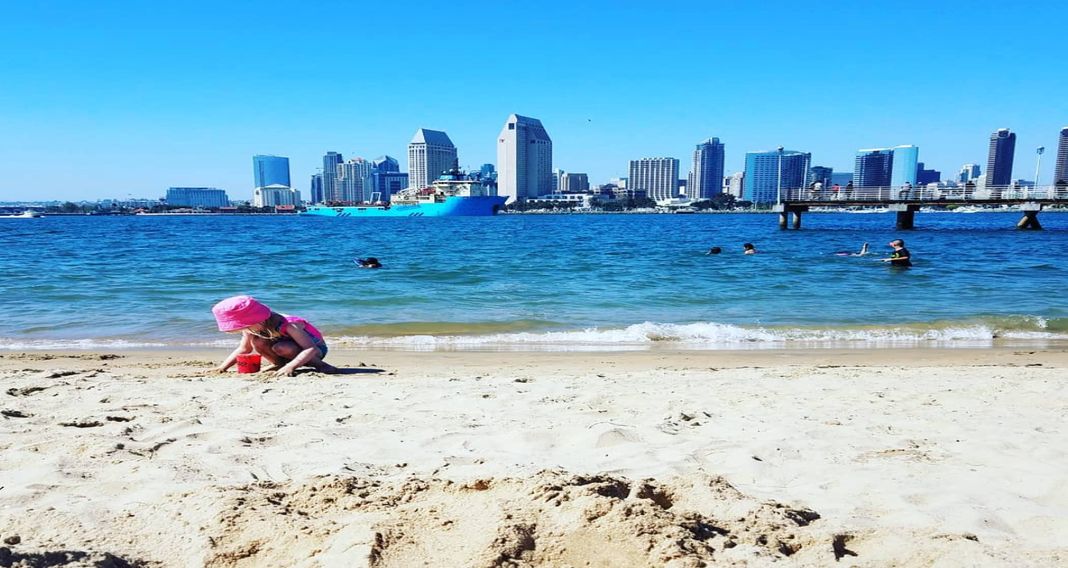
(112, 99)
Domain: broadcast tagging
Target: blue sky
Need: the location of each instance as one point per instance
(110, 99)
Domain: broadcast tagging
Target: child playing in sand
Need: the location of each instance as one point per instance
(288, 342)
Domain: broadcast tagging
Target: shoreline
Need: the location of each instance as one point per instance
(907, 457)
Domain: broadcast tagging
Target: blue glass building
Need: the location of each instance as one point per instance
(999, 161)
(762, 174)
(873, 168)
(386, 164)
(905, 167)
(707, 170)
(331, 190)
(822, 174)
(208, 197)
(270, 170)
(316, 189)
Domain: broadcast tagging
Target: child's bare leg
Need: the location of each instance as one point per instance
(266, 350)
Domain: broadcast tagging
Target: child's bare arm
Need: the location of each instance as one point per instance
(309, 353)
(244, 347)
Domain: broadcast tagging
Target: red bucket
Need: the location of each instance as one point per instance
(248, 363)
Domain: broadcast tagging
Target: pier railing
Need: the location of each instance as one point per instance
(924, 194)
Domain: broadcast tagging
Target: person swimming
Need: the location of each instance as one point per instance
(714, 250)
(369, 262)
(863, 251)
(748, 248)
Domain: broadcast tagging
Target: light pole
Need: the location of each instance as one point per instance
(778, 186)
(1038, 165)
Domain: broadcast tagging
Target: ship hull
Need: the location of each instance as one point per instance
(451, 207)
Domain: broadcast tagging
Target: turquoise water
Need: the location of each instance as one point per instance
(556, 282)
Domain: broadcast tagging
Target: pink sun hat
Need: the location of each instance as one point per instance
(239, 312)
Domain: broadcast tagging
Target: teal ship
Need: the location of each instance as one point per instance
(452, 195)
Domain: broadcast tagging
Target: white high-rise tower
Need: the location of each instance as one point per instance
(524, 159)
(429, 153)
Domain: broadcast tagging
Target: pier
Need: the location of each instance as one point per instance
(906, 202)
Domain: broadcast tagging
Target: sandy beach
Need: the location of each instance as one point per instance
(887, 457)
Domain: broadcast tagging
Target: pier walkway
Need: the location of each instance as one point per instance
(907, 201)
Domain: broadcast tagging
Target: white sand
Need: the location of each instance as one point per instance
(944, 457)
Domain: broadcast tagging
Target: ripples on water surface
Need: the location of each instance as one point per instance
(553, 281)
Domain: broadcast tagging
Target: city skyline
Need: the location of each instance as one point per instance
(105, 88)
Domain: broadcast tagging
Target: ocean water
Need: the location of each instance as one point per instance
(537, 281)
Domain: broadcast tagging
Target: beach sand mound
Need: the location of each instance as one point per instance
(551, 518)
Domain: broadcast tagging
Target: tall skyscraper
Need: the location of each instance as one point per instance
(1060, 170)
(707, 180)
(386, 164)
(355, 182)
(558, 176)
(572, 182)
(330, 188)
(821, 174)
(316, 189)
(270, 170)
(904, 170)
(386, 178)
(968, 172)
(430, 153)
(762, 174)
(524, 159)
(999, 161)
(873, 167)
(925, 176)
(657, 177)
(736, 184)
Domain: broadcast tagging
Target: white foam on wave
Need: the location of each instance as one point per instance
(711, 335)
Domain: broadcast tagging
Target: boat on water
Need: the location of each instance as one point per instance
(27, 214)
(454, 194)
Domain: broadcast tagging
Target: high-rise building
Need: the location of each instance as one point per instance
(430, 153)
(316, 189)
(925, 176)
(999, 160)
(657, 177)
(968, 172)
(354, 180)
(274, 195)
(735, 184)
(707, 176)
(904, 170)
(386, 164)
(821, 174)
(524, 159)
(762, 179)
(873, 167)
(197, 197)
(558, 176)
(270, 170)
(1060, 170)
(574, 183)
(386, 184)
(331, 161)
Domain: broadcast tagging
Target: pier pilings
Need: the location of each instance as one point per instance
(1030, 217)
(785, 211)
(906, 215)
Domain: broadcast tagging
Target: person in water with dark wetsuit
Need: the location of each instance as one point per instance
(863, 251)
(370, 262)
(900, 256)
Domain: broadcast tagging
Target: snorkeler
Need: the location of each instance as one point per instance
(863, 251)
(369, 262)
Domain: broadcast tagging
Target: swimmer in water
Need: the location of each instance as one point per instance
(714, 250)
(370, 262)
(748, 248)
(863, 251)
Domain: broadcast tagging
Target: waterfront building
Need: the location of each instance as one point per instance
(270, 170)
(316, 189)
(574, 183)
(706, 179)
(968, 172)
(1000, 157)
(762, 180)
(1060, 170)
(841, 178)
(386, 184)
(820, 174)
(873, 167)
(386, 164)
(925, 176)
(430, 153)
(558, 176)
(206, 197)
(657, 177)
(524, 159)
(905, 160)
(331, 191)
(735, 184)
(619, 182)
(274, 195)
(354, 180)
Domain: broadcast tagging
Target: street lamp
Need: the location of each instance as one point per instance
(1038, 165)
(778, 187)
